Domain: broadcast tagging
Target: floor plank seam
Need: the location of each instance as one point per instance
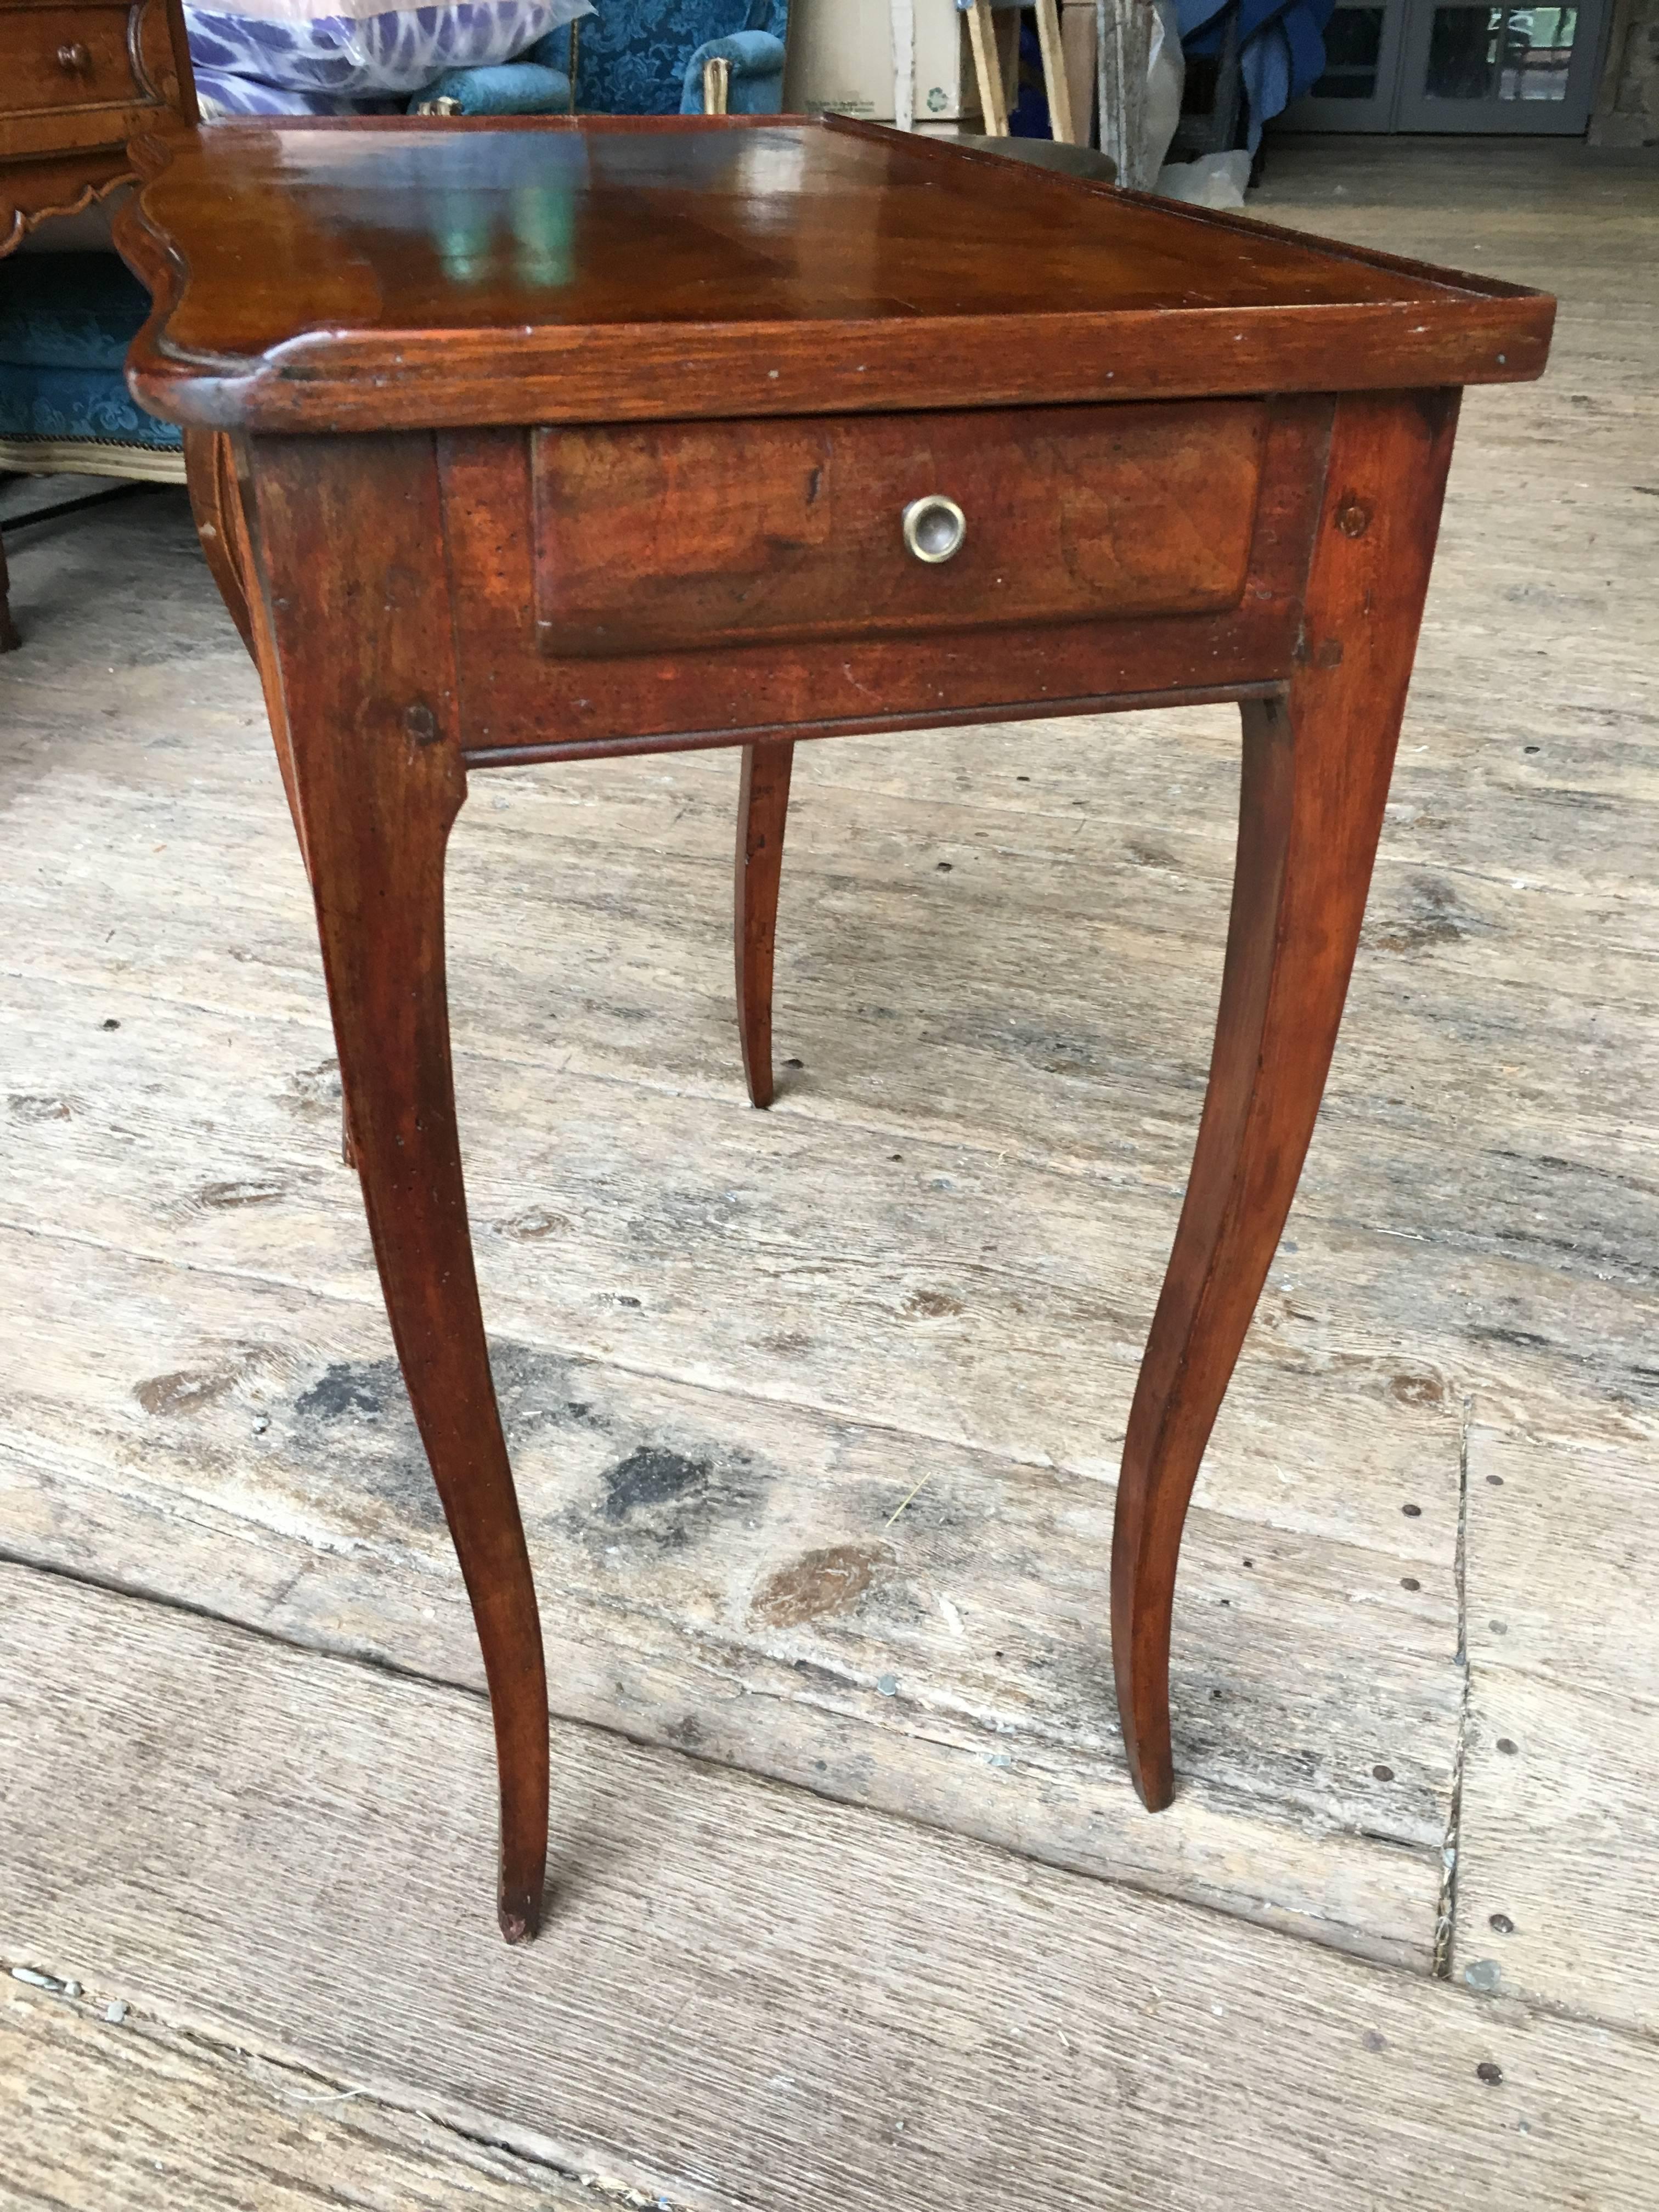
(376, 1662)
(1333, 1114)
(723, 1663)
(1445, 1922)
(1631, 2033)
(582, 1357)
(1087, 1175)
(391, 1670)
(1217, 1792)
(1636, 1702)
(515, 2146)
(576, 1354)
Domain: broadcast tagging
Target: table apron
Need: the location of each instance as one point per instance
(522, 701)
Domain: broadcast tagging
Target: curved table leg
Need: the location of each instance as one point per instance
(9, 640)
(365, 680)
(762, 812)
(215, 506)
(215, 503)
(1314, 782)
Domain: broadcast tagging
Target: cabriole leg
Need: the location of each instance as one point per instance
(762, 813)
(351, 551)
(9, 640)
(1315, 780)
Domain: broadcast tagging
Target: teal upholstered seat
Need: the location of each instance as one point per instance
(66, 321)
(647, 56)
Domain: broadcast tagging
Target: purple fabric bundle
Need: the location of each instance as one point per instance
(351, 57)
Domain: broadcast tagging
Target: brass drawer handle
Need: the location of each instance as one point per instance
(76, 59)
(934, 527)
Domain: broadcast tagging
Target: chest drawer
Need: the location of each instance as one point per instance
(662, 536)
(80, 74)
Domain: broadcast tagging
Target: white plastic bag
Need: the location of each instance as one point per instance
(1214, 180)
(1166, 79)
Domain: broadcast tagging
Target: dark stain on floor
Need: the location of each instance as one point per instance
(651, 1476)
(357, 1415)
(663, 1497)
(1433, 915)
(832, 1580)
(355, 1429)
(351, 1387)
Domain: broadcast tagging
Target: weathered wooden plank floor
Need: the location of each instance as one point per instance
(816, 1417)
(746, 1996)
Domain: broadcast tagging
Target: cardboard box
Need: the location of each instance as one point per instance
(840, 61)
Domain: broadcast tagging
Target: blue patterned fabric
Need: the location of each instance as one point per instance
(508, 89)
(646, 57)
(78, 402)
(756, 84)
(66, 321)
(68, 311)
(351, 57)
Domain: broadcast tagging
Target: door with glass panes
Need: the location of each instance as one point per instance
(1445, 65)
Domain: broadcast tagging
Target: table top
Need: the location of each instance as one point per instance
(395, 273)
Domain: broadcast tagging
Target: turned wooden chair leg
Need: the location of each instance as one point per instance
(762, 812)
(351, 549)
(1314, 781)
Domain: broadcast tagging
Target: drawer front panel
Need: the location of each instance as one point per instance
(663, 536)
(80, 74)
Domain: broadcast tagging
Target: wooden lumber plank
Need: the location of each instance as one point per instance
(745, 1996)
(645, 1230)
(751, 1182)
(126, 2116)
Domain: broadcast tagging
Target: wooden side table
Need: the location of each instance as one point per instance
(82, 77)
(534, 442)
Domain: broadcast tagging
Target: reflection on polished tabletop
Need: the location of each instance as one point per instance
(515, 442)
(334, 252)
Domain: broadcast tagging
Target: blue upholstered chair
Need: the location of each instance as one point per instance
(647, 57)
(635, 58)
(66, 321)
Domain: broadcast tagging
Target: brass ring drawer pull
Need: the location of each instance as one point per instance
(934, 527)
(76, 59)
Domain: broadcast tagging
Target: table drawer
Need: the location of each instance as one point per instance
(75, 75)
(663, 536)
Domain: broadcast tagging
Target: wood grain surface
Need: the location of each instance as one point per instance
(370, 730)
(652, 268)
(707, 536)
(122, 2115)
(519, 700)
